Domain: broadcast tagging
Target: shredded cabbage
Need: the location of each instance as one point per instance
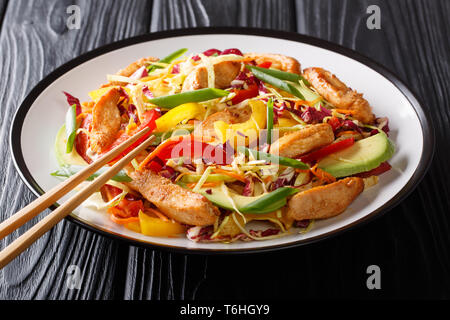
(202, 179)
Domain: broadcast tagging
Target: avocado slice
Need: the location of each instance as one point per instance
(364, 155)
(211, 178)
(244, 204)
(63, 158)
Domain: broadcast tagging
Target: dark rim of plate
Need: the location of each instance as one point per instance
(427, 128)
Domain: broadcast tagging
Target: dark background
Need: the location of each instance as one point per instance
(410, 243)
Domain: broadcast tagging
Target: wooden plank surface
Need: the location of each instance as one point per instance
(410, 244)
(34, 41)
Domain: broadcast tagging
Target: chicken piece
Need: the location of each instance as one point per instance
(338, 94)
(230, 115)
(105, 120)
(224, 73)
(278, 61)
(303, 141)
(324, 201)
(180, 204)
(132, 68)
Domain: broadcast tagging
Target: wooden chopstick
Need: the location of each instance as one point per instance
(35, 232)
(50, 197)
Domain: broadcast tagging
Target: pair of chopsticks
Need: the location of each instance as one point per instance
(50, 197)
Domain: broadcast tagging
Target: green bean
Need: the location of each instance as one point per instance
(269, 120)
(167, 59)
(288, 162)
(277, 83)
(282, 75)
(177, 99)
(71, 127)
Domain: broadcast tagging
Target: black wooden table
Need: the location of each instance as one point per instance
(411, 244)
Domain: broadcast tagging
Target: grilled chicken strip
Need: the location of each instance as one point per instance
(325, 201)
(132, 68)
(230, 115)
(105, 120)
(278, 61)
(224, 73)
(337, 93)
(303, 141)
(180, 204)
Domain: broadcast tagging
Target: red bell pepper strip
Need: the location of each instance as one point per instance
(182, 145)
(161, 152)
(382, 168)
(334, 123)
(243, 94)
(127, 208)
(82, 139)
(332, 148)
(148, 121)
(108, 192)
(265, 64)
(149, 118)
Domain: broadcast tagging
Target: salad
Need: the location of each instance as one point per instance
(239, 138)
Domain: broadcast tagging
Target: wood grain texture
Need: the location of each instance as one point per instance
(34, 41)
(410, 243)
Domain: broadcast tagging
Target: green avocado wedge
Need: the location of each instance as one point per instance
(211, 178)
(364, 155)
(264, 203)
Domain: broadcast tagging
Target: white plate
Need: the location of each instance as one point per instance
(42, 113)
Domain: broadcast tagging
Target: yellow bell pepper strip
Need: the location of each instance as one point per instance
(285, 122)
(152, 225)
(176, 115)
(71, 127)
(277, 83)
(249, 128)
(97, 94)
(168, 59)
(171, 101)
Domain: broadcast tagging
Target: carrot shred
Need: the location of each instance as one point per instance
(346, 132)
(299, 103)
(157, 213)
(322, 175)
(181, 175)
(205, 185)
(117, 212)
(118, 220)
(80, 116)
(231, 174)
(158, 149)
(346, 111)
